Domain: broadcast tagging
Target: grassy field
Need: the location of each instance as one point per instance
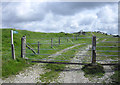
(12, 67)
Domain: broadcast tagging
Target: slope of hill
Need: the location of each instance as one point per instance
(12, 67)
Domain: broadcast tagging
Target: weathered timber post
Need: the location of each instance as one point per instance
(93, 49)
(59, 40)
(12, 46)
(23, 46)
(51, 43)
(67, 39)
(72, 38)
(76, 37)
(38, 47)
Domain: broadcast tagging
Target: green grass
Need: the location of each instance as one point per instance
(55, 69)
(115, 77)
(93, 70)
(0, 53)
(12, 67)
(31, 37)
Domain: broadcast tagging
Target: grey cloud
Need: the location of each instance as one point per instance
(64, 8)
(70, 8)
(86, 21)
(44, 16)
(10, 14)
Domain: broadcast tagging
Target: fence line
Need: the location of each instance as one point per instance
(110, 41)
(68, 55)
(56, 55)
(61, 38)
(107, 60)
(107, 46)
(55, 60)
(61, 49)
(68, 60)
(107, 37)
(107, 51)
(58, 43)
(107, 55)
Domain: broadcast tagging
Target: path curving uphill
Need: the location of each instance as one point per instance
(32, 74)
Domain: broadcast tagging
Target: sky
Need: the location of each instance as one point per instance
(57, 17)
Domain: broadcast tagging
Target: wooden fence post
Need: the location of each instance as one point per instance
(67, 39)
(38, 47)
(59, 40)
(51, 43)
(23, 46)
(12, 45)
(93, 49)
(76, 37)
(72, 38)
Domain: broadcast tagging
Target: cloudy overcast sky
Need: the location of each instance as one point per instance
(61, 16)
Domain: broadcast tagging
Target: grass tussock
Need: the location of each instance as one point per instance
(95, 70)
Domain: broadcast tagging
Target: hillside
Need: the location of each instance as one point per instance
(12, 67)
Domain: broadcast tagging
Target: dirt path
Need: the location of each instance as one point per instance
(74, 74)
(32, 74)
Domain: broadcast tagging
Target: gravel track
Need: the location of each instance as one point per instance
(31, 74)
(74, 74)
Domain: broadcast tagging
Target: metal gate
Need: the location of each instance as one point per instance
(62, 50)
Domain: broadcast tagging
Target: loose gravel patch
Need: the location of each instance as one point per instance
(30, 75)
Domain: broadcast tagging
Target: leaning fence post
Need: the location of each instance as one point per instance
(23, 46)
(93, 49)
(12, 45)
(51, 43)
(38, 47)
(59, 40)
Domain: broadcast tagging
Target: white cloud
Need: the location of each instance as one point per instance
(66, 17)
(108, 14)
